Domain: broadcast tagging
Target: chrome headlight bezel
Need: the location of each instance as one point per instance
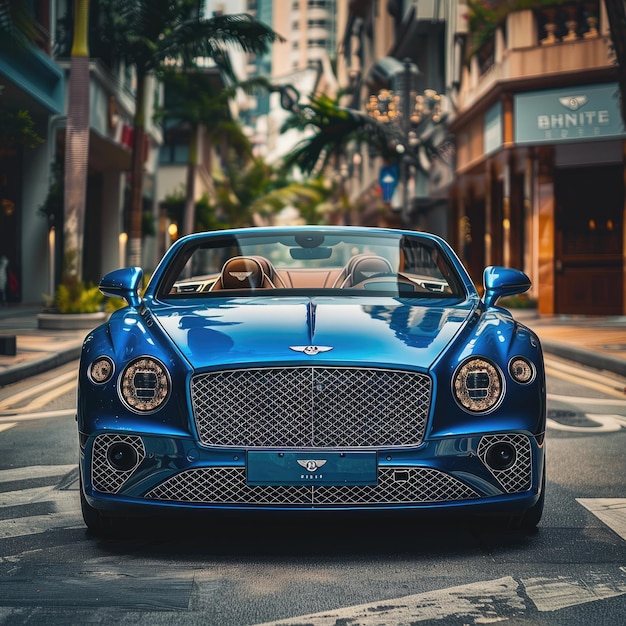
(478, 385)
(156, 378)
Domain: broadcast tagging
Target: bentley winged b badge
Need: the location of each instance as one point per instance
(311, 465)
(311, 350)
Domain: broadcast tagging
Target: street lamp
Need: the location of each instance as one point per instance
(410, 114)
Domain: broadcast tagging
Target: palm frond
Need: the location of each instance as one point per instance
(334, 128)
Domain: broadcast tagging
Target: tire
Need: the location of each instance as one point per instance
(529, 519)
(97, 523)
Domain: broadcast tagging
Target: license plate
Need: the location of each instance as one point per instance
(311, 468)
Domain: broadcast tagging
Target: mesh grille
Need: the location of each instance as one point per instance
(311, 407)
(224, 485)
(518, 477)
(104, 476)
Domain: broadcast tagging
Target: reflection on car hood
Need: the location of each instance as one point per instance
(263, 330)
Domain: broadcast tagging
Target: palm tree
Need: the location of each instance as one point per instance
(148, 33)
(196, 101)
(335, 128)
(17, 30)
(17, 27)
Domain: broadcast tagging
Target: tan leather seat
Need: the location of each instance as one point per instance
(270, 272)
(361, 267)
(242, 273)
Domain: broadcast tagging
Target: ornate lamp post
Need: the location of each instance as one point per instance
(411, 114)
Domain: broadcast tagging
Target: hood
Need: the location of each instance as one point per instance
(267, 330)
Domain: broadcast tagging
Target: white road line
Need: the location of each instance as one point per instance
(25, 496)
(37, 524)
(586, 400)
(549, 594)
(482, 602)
(467, 603)
(45, 398)
(7, 425)
(15, 416)
(588, 373)
(35, 471)
(587, 380)
(53, 383)
(611, 511)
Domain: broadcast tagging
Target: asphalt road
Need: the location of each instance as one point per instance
(571, 571)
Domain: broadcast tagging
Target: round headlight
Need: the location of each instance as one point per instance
(144, 385)
(521, 370)
(101, 370)
(477, 385)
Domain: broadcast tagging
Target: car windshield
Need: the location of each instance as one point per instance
(311, 261)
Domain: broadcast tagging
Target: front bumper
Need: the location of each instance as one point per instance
(133, 473)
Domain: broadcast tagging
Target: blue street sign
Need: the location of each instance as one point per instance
(388, 181)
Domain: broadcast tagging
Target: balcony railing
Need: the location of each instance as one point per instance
(554, 24)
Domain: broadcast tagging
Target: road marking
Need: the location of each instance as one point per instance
(7, 425)
(37, 524)
(16, 416)
(35, 471)
(482, 602)
(585, 400)
(34, 391)
(587, 379)
(611, 511)
(65, 501)
(587, 373)
(608, 424)
(45, 398)
(554, 594)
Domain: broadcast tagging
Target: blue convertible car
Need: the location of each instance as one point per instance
(311, 369)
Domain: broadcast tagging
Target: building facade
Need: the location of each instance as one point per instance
(540, 164)
(528, 168)
(35, 78)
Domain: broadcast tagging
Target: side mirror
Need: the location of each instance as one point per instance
(125, 283)
(503, 281)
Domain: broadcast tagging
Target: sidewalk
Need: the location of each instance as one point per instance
(598, 342)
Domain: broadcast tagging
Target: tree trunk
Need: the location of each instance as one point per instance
(76, 146)
(189, 219)
(136, 185)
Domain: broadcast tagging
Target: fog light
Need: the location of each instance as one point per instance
(500, 456)
(122, 457)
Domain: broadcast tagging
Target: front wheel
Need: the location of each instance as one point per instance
(529, 519)
(98, 524)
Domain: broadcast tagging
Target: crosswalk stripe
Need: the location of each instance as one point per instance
(35, 471)
(480, 602)
(611, 511)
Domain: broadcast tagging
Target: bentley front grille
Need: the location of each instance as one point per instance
(311, 407)
(227, 485)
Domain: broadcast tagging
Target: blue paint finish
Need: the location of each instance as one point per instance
(422, 333)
